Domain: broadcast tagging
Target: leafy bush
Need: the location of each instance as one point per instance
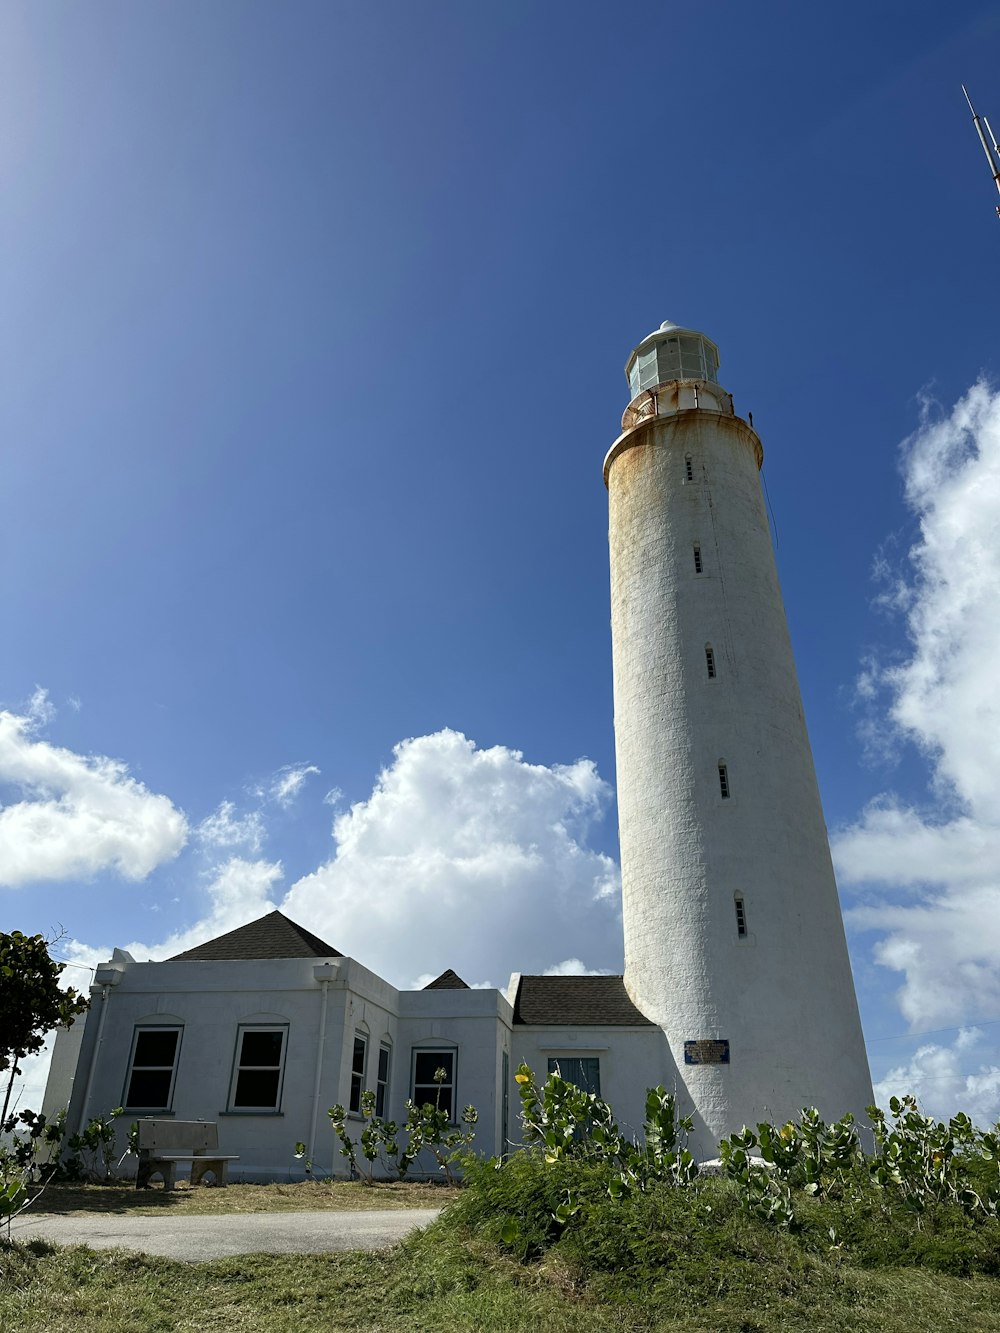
(585, 1194)
(427, 1126)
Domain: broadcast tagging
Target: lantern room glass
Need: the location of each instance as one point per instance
(684, 356)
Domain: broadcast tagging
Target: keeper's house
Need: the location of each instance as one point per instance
(264, 1028)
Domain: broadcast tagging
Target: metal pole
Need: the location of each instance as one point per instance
(990, 146)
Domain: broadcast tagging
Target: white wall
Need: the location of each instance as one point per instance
(631, 1060)
(211, 999)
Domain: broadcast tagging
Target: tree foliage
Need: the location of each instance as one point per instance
(32, 1002)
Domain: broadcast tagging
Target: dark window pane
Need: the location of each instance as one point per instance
(383, 1064)
(256, 1087)
(154, 1047)
(428, 1062)
(424, 1092)
(584, 1072)
(148, 1088)
(358, 1064)
(261, 1048)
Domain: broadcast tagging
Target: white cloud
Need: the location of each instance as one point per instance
(467, 858)
(224, 828)
(938, 1076)
(939, 867)
(79, 814)
(238, 891)
(288, 782)
(41, 709)
(573, 967)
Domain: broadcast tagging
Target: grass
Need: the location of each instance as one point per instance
(669, 1261)
(444, 1281)
(340, 1195)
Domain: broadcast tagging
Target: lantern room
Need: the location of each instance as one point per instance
(671, 353)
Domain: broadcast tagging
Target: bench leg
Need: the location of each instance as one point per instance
(148, 1169)
(199, 1166)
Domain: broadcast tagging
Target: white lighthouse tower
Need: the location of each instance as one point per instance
(734, 942)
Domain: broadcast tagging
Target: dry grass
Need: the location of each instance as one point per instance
(339, 1196)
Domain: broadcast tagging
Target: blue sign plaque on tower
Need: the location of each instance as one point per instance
(713, 1051)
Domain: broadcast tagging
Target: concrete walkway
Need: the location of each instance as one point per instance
(216, 1236)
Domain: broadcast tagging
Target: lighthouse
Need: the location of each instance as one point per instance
(734, 940)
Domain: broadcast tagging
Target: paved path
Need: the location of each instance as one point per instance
(218, 1235)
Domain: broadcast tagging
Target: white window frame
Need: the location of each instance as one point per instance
(450, 1084)
(382, 1084)
(358, 1075)
(238, 1068)
(140, 1028)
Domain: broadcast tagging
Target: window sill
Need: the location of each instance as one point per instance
(245, 1113)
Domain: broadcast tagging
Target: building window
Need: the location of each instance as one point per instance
(440, 1092)
(260, 1060)
(150, 1082)
(688, 468)
(382, 1078)
(697, 559)
(584, 1071)
(710, 661)
(724, 781)
(358, 1071)
(741, 918)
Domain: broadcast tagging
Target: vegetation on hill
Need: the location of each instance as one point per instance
(587, 1230)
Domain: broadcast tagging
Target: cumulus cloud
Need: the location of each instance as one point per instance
(467, 858)
(937, 867)
(939, 1077)
(77, 814)
(238, 891)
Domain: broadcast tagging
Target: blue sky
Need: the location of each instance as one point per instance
(312, 327)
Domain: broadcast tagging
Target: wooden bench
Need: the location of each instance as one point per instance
(164, 1143)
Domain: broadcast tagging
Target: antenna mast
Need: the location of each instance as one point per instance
(990, 146)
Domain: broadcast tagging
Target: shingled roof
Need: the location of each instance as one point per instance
(271, 936)
(584, 1001)
(448, 980)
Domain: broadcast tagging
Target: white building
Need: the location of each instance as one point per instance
(264, 1028)
(737, 991)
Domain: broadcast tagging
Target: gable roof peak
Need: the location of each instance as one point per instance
(272, 936)
(448, 980)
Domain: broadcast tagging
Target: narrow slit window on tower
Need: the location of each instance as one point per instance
(724, 782)
(741, 918)
(697, 559)
(689, 468)
(710, 661)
